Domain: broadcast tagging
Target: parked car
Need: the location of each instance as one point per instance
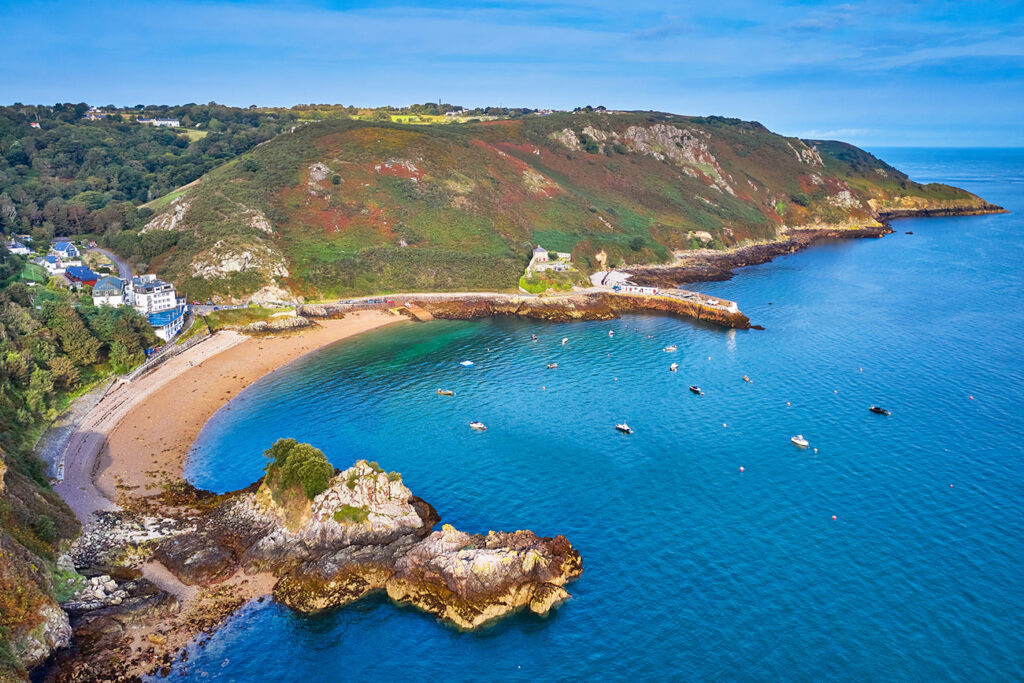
(196, 303)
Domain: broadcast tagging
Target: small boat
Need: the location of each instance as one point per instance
(880, 410)
(565, 340)
(799, 440)
(746, 379)
(552, 366)
(445, 392)
(533, 337)
(697, 390)
(673, 367)
(611, 333)
(466, 363)
(624, 428)
(669, 349)
(478, 426)
(910, 232)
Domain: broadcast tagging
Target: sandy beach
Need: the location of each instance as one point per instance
(138, 436)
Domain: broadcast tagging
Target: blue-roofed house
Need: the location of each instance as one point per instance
(65, 250)
(108, 291)
(166, 324)
(52, 264)
(80, 275)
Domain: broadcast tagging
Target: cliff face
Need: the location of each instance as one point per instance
(348, 207)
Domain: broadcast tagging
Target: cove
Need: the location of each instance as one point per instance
(692, 568)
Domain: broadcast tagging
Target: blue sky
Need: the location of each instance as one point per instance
(873, 72)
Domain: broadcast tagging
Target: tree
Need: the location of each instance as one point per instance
(636, 243)
(120, 357)
(299, 464)
(74, 338)
(65, 374)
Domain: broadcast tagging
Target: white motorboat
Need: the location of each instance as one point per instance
(669, 349)
(800, 441)
(673, 367)
(478, 426)
(466, 363)
(624, 428)
(565, 340)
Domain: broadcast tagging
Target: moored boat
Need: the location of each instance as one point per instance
(478, 426)
(673, 367)
(800, 441)
(624, 428)
(565, 340)
(880, 410)
(466, 363)
(670, 348)
(697, 390)
(445, 392)
(552, 366)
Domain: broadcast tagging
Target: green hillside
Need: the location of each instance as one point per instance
(342, 207)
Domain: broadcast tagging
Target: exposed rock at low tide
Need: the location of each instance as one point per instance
(367, 532)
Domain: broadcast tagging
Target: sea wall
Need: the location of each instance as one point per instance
(562, 308)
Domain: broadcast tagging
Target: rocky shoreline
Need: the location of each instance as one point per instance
(174, 565)
(717, 266)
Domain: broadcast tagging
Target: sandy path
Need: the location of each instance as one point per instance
(137, 437)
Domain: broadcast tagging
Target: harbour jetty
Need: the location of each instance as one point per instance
(590, 304)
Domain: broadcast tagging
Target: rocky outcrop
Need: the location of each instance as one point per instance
(296, 322)
(712, 266)
(53, 631)
(367, 532)
(919, 207)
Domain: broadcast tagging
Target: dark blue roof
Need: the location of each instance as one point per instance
(164, 317)
(50, 259)
(62, 246)
(80, 273)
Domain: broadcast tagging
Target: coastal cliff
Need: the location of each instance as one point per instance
(363, 532)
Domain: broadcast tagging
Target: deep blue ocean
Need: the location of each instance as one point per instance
(694, 569)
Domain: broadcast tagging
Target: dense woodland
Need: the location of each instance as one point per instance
(54, 344)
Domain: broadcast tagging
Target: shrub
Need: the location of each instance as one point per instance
(299, 464)
(45, 529)
(351, 514)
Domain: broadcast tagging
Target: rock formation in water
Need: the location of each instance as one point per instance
(367, 532)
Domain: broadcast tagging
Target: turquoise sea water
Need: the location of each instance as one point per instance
(694, 570)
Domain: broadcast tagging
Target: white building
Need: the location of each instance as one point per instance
(16, 247)
(540, 254)
(156, 300)
(170, 123)
(108, 291)
(148, 294)
(52, 264)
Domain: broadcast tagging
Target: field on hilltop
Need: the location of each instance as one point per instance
(345, 206)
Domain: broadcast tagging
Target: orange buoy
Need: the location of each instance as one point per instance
(833, 518)
(950, 486)
(787, 403)
(543, 388)
(741, 468)
(815, 450)
(723, 424)
(971, 397)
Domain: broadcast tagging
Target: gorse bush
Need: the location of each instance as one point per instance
(299, 464)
